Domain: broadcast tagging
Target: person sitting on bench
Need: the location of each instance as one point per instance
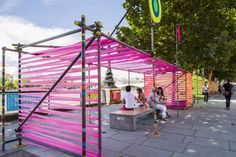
(128, 99)
(160, 92)
(156, 103)
(141, 99)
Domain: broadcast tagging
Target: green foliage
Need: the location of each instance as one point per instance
(208, 36)
(9, 84)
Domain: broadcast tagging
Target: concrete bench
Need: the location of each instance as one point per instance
(126, 120)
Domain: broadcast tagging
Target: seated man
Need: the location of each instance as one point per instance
(128, 100)
(157, 103)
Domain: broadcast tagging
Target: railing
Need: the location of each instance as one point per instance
(11, 102)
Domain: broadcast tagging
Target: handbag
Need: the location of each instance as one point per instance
(227, 93)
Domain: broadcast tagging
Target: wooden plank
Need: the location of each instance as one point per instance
(134, 112)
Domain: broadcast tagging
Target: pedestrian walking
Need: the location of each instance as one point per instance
(219, 88)
(227, 92)
(205, 92)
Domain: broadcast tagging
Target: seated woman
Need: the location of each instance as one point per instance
(128, 100)
(156, 103)
(141, 100)
(160, 92)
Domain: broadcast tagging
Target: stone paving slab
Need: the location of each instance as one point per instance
(202, 151)
(203, 123)
(180, 131)
(108, 133)
(232, 146)
(19, 153)
(50, 153)
(143, 151)
(137, 132)
(233, 127)
(216, 121)
(232, 116)
(214, 135)
(170, 137)
(36, 150)
(137, 139)
(184, 155)
(109, 153)
(114, 145)
(207, 142)
(211, 128)
(44, 152)
(165, 145)
(182, 126)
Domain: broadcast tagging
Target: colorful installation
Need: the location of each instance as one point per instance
(155, 10)
(168, 83)
(55, 88)
(148, 84)
(213, 87)
(197, 86)
(60, 88)
(50, 124)
(198, 82)
(173, 83)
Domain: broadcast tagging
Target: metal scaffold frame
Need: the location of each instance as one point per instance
(100, 50)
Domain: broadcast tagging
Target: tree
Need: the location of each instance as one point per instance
(109, 80)
(207, 31)
(9, 84)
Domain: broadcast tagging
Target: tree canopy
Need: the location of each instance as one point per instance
(9, 84)
(208, 33)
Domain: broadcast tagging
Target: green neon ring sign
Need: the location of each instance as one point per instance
(155, 10)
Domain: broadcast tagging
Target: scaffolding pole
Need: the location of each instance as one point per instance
(129, 77)
(19, 86)
(51, 38)
(98, 33)
(177, 84)
(38, 46)
(3, 98)
(84, 144)
(152, 49)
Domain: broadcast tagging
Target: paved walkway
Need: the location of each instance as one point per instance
(205, 130)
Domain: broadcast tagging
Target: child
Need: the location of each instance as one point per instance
(128, 100)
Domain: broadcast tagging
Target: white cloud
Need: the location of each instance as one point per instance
(17, 30)
(9, 5)
(50, 2)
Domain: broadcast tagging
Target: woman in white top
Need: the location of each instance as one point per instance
(156, 102)
(128, 100)
(160, 92)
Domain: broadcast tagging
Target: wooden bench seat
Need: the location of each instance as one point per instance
(126, 120)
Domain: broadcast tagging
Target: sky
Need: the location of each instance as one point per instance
(62, 13)
(25, 21)
(45, 18)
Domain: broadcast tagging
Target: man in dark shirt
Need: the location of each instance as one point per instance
(227, 93)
